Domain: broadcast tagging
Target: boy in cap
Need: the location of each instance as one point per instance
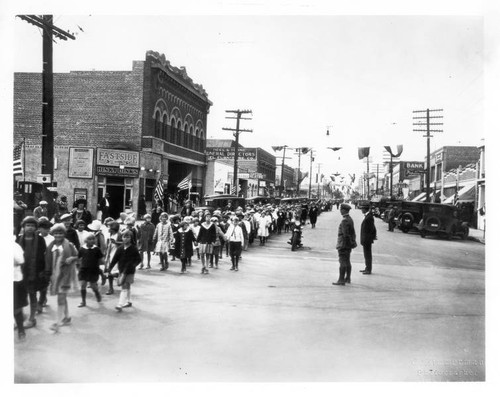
(34, 275)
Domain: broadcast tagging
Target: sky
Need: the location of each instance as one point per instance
(359, 76)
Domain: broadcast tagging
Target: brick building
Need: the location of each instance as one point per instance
(117, 132)
(257, 168)
(446, 159)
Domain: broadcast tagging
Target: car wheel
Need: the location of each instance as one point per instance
(433, 222)
(405, 230)
(422, 234)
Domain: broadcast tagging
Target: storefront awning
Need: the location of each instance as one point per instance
(420, 197)
(465, 195)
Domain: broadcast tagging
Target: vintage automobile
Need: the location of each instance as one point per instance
(221, 200)
(409, 214)
(442, 219)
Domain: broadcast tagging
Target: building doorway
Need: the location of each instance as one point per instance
(116, 200)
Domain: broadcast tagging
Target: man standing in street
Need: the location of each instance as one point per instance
(346, 241)
(367, 236)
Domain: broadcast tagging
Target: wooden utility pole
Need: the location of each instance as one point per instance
(310, 173)
(427, 123)
(45, 22)
(236, 134)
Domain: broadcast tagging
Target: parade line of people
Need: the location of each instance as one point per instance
(55, 257)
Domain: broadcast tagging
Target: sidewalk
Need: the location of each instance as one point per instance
(476, 235)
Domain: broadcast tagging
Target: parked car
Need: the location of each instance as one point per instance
(442, 219)
(221, 200)
(409, 214)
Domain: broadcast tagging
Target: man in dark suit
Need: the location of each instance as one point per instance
(368, 235)
(104, 206)
(346, 241)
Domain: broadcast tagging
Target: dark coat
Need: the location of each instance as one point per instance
(368, 230)
(35, 272)
(207, 236)
(313, 214)
(127, 259)
(86, 217)
(346, 239)
(184, 241)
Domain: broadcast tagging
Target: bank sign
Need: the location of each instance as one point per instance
(223, 153)
(414, 168)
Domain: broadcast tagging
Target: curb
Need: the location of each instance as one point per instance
(477, 239)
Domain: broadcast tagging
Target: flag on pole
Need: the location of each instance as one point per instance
(159, 188)
(185, 183)
(17, 163)
(363, 152)
(277, 148)
(400, 150)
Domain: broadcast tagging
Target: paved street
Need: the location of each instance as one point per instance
(419, 317)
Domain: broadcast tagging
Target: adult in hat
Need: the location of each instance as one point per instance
(346, 241)
(368, 235)
(41, 210)
(81, 213)
(187, 209)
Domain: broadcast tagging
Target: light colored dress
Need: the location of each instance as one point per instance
(264, 222)
(163, 237)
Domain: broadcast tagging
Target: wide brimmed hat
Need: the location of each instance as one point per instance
(43, 202)
(79, 222)
(65, 216)
(95, 226)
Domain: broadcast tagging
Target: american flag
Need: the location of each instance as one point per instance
(159, 188)
(17, 159)
(185, 183)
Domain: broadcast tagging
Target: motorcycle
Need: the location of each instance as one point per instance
(296, 240)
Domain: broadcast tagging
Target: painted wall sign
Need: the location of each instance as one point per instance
(218, 153)
(112, 157)
(81, 162)
(117, 171)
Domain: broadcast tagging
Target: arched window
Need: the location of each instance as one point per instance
(178, 141)
(191, 138)
(173, 131)
(164, 128)
(157, 124)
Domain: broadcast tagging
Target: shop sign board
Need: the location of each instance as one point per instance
(414, 168)
(125, 172)
(117, 158)
(81, 162)
(220, 153)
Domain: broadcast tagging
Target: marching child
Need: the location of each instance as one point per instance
(91, 258)
(61, 257)
(127, 256)
(114, 241)
(184, 239)
(162, 239)
(145, 240)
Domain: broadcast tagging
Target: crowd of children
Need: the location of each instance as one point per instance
(58, 258)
